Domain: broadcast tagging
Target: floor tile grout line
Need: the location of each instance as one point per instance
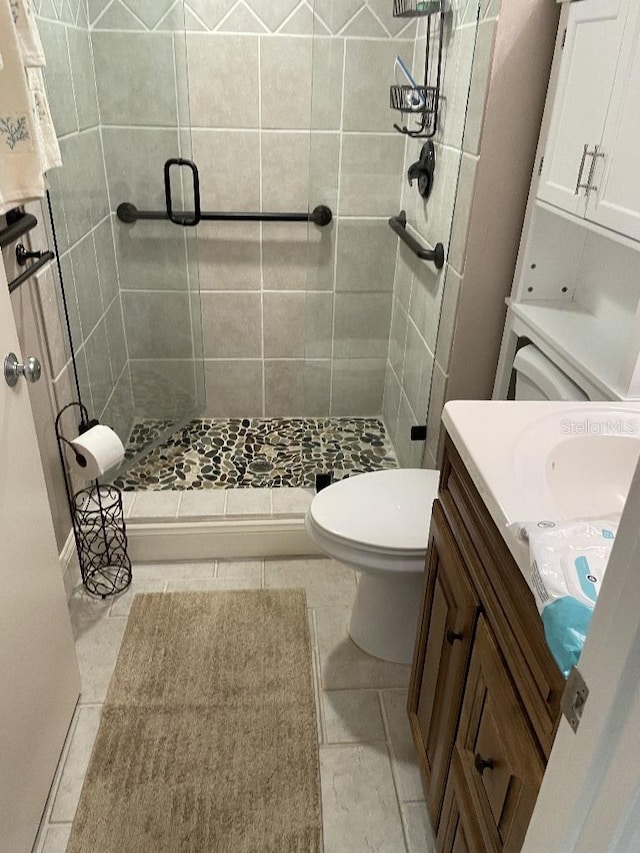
(318, 676)
(392, 756)
(50, 821)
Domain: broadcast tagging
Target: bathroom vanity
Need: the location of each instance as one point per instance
(484, 700)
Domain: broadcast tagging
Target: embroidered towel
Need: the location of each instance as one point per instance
(28, 35)
(28, 144)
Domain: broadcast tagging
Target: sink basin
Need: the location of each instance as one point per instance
(580, 467)
(591, 475)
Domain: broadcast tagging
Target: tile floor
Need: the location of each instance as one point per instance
(372, 798)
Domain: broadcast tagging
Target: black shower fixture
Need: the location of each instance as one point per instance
(423, 170)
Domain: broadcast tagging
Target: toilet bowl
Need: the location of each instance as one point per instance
(378, 523)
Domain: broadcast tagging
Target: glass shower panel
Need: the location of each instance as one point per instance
(142, 77)
(132, 287)
(372, 336)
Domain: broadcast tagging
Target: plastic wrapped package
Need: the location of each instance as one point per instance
(568, 563)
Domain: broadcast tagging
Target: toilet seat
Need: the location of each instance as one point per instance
(377, 521)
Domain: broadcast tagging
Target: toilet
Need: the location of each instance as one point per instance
(378, 523)
(538, 378)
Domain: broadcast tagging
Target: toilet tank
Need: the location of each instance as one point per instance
(538, 378)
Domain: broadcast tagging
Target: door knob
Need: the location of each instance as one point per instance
(13, 370)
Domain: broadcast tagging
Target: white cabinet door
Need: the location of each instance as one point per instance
(616, 201)
(587, 71)
(39, 677)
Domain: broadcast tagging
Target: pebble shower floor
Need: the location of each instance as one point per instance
(256, 452)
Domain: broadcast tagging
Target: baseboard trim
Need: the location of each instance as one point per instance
(69, 564)
(208, 540)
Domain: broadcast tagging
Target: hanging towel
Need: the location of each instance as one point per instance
(44, 130)
(28, 144)
(28, 35)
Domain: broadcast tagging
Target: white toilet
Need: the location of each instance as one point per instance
(379, 524)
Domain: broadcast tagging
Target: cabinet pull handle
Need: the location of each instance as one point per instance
(592, 171)
(579, 184)
(482, 764)
(452, 636)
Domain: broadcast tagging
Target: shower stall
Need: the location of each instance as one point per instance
(241, 311)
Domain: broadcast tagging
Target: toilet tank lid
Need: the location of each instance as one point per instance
(554, 384)
(384, 509)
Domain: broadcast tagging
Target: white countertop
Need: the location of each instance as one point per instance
(504, 445)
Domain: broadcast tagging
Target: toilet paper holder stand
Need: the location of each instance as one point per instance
(97, 519)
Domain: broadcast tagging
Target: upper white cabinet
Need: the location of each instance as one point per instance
(613, 199)
(576, 292)
(589, 72)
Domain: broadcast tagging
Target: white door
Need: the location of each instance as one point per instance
(588, 61)
(616, 203)
(590, 795)
(39, 677)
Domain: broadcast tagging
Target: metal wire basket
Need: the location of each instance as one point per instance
(413, 99)
(101, 539)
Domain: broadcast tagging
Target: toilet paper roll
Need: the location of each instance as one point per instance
(100, 448)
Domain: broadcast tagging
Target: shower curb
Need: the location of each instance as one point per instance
(183, 540)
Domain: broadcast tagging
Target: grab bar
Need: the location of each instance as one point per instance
(398, 225)
(127, 212)
(178, 161)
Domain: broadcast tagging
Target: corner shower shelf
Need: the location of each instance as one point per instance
(420, 101)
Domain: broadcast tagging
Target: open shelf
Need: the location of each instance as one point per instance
(578, 289)
(590, 344)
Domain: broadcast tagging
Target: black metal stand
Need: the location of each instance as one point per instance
(98, 523)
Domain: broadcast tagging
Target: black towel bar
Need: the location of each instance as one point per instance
(398, 225)
(17, 224)
(31, 270)
(128, 212)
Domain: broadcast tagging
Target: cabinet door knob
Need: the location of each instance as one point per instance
(482, 764)
(452, 636)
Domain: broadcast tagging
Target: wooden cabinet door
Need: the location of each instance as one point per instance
(586, 75)
(500, 761)
(449, 613)
(616, 201)
(458, 831)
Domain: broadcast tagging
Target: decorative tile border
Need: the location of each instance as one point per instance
(228, 453)
(357, 18)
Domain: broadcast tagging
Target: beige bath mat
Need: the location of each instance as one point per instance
(208, 734)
